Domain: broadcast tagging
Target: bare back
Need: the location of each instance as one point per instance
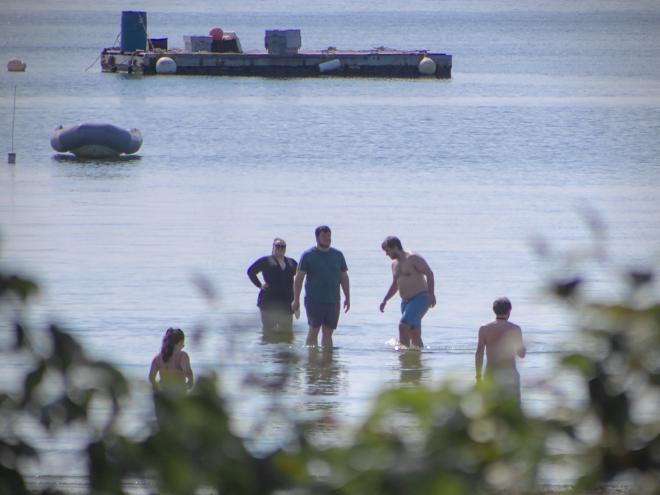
(503, 342)
(175, 373)
(409, 274)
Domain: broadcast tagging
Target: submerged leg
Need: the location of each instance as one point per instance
(404, 336)
(326, 337)
(416, 337)
(313, 336)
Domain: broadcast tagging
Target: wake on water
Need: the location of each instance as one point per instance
(397, 346)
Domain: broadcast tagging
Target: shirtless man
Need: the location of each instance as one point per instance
(413, 278)
(502, 341)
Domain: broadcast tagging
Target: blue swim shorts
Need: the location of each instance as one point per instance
(414, 309)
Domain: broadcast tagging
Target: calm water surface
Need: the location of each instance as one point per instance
(550, 111)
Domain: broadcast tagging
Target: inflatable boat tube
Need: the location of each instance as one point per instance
(96, 140)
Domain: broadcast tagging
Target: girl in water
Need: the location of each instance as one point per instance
(172, 364)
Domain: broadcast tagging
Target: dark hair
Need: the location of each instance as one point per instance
(172, 337)
(321, 228)
(501, 306)
(392, 241)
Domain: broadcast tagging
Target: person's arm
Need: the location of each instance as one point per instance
(187, 370)
(425, 270)
(153, 371)
(394, 287)
(346, 287)
(479, 355)
(522, 350)
(256, 268)
(297, 289)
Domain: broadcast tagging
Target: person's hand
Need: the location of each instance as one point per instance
(264, 286)
(347, 305)
(382, 306)
(295, 306)
(432, 300)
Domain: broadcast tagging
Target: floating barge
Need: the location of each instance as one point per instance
(221, 55)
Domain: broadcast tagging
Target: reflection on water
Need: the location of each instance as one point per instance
(324, 378)
(277, 336)
(322, 372)
(69, 158)
(97, 169)
(412, 369)
(281, 377)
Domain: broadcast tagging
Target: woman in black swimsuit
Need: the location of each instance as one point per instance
(276, 290)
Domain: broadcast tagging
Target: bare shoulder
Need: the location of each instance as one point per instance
(418, 260)
(488, 326)
(414, 256)
(156, 360)
(515, 327)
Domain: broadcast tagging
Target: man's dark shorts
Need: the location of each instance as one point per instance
(322, 314)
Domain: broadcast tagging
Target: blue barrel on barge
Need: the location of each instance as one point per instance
(133, 31)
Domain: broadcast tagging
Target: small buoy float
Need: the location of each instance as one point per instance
(216, 33)
(166, 65)
(16, 65)
(426, 66)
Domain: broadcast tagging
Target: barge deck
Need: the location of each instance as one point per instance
(373, 63)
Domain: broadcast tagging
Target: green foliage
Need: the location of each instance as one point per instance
(192, 447)
(623, 383)
(419, 441)
(415, 440)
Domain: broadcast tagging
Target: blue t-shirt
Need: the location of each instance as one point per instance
(323, 269)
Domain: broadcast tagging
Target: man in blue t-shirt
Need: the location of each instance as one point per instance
(326, 271)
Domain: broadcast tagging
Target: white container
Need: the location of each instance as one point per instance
(197, 43)
(330, 65)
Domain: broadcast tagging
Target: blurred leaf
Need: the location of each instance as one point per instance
(639, 278)
(581, 363)
(65, 349)
(21, 339)
(104, 477)
(20, 287)
(32, 381)
(64, 411)
(566, 288)
(206, 288)
(11, 481)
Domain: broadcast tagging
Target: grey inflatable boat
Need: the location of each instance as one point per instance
(96, 140)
